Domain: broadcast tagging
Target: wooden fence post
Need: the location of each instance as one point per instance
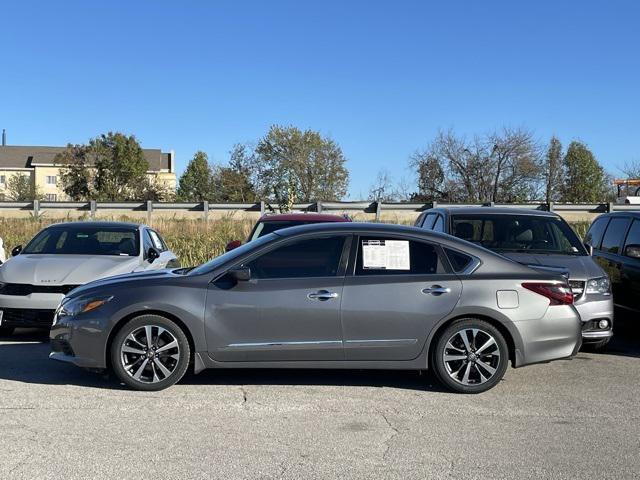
(149, 210)
(205, 211)
(92, 209)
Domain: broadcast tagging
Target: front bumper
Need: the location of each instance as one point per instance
(80, 340)
(592, 309)
(35, 310)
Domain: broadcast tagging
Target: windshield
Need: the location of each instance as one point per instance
(83, 240)
(518, 233)
(265, 228)
(230, 255)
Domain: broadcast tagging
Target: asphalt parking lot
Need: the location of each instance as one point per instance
(568, 419)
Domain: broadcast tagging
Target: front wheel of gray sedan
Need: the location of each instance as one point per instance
(149, 353)
(470, 356)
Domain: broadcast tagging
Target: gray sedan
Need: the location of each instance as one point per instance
(325, 296)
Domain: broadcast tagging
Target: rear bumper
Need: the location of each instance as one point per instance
(558, 334)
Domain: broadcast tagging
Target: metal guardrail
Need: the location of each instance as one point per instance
(376, 208)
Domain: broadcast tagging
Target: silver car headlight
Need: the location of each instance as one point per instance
(600, 285)
(76, 306)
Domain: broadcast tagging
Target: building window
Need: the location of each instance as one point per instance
(3, 179)
(52, 179)
(51, 197)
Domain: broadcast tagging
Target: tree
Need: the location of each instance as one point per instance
(20, 188)
(196, 184)
(75, 174)
(235, 180)
(554, 174)
(120, 167)
(111, 167)
(383, 189)
(585, 179)
(503, 166)
(295, 166)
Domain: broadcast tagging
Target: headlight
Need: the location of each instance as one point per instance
(76, 306)
(599, 285)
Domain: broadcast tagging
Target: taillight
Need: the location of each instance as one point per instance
(557, 293)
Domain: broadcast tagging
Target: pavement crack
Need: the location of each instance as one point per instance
(244, 396)
(387, 442)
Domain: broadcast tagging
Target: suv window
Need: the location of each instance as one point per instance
(428, 220)
(614, 235)
(438, 226)
(157, 241)
(146, 242)
(633, 238)
(594, 235)
(518, 233)
(318, 257)
(396, 256)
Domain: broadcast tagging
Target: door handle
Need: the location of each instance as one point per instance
(436, 290)
(322, 295)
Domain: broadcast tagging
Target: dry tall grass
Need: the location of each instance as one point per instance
(194, 241)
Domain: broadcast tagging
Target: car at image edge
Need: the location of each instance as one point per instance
(541, 240)
(615, 240)
(64, 256)
(340, 295)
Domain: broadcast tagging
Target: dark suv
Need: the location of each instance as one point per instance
(615, 240)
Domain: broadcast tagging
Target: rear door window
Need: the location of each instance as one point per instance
(380, 255)
(428, 221)
(459, 261)
(614, 235)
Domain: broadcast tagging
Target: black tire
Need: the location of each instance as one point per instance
(6, 331)
(155, 361)
(596, 346)
(483, 367)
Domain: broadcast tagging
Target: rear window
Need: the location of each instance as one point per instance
(79, 240)
(265, 228)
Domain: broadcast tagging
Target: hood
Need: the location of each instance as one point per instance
(119, 280)
(64, 269)
(574, 267)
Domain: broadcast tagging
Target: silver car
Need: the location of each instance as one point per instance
(341, 295)
(63, 256)
(542, 240)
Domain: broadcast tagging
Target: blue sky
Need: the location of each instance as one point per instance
(380, 78)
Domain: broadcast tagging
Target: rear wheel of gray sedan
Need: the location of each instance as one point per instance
(470, 356)
(150, 353)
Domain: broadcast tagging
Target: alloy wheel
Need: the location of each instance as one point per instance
(471, 356)
(150, 354)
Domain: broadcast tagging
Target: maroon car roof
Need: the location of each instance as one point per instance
(304, 217)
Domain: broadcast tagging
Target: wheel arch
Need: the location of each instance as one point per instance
(514, 348)
(169, 316)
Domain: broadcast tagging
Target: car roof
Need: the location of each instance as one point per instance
(627, 213)
(304, 217)
(97, 224)
(493, 211)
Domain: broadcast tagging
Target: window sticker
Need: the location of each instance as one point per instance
(386, 254)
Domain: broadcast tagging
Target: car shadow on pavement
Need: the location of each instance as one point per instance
(24, 358)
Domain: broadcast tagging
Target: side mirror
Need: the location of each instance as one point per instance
(632, 251)
(589, 248)
(152, 254)
(232, 245)
(16, 250)
(240, 274)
